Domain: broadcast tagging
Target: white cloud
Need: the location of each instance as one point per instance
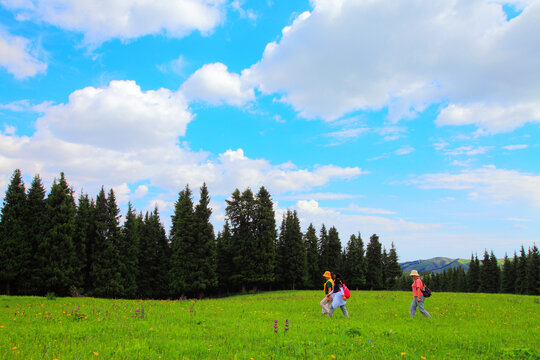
(499, 185)
(119, 136)
(309, 211)
(175, 66)
(214, 84)
(404, 150)
(19, 56)
(490, 118)
(348, 134)
(515, 147)
(353, 55)
(118, 117)
(100, 21)
(468, 150)
(319, 196)
(516, 219)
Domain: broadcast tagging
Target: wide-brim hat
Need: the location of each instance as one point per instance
(327, 274)
(415, 273)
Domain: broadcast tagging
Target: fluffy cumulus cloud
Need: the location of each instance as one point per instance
(19, 56)
(350, 55)
(101, 20)
(123, 137)
(120, 117)
(499, 185)
(214, 84)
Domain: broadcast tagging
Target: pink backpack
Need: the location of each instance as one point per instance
(346, 292)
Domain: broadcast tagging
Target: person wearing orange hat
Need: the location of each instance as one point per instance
(328, 286)
(418, 296)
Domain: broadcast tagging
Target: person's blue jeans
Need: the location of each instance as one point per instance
(420, 305)
(343, 309)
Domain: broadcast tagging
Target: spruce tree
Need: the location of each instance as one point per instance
(521, 272)
(384, 260)
(508, 277)
(314, 278)
(473, 275)
(35, 225)
(355, 263)
(184, 251)
(324, 250)
(129, 253)
(14, 247)
(225, 255)
(393, 269)
(240, 211)
(146, 284)
(281, 254)
(265, 237)
(57, 249)
(495, 273)
(533, 271)
(161, 247)
(294, 256)
(374, 264)
(205, 277)
(84, 228)
(334, 249)
(105, 272)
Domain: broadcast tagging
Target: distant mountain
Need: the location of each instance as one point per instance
(437, 264)
(434, 265)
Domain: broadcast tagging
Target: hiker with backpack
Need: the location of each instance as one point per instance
(340, 294)
(418, 295)
(328, 286)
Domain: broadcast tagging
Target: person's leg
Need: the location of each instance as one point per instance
(421, 307)
(413, 306)
(324, 306)
(331, 311)
(344, 310)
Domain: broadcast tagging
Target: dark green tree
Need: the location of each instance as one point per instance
(521, 272)
(183, 246)
(265, 237)
(374, 264)
(334, 249)
(508, 276)
(293, 253)
(355, 263)
(225, 255)
(533, 271)
(161, 248)
(128, 248)
(392, 269)
(204, 279)
(84, 234)
(240, 211)
(57, 249)
(35, 225)
(105, 272)
(314, 274)
(324, 250)
(14, 247)
(473, 275)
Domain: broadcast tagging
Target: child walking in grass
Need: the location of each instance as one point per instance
(338, 300)
(328, 286)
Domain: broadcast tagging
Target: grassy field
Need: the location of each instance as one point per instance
(464, 326)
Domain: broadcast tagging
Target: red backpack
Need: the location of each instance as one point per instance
(346, 292)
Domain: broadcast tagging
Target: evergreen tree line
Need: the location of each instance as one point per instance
(519, 275)
(54, 244)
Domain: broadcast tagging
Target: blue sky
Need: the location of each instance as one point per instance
(417, 121)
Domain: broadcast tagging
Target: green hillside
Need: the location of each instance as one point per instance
(437, 264)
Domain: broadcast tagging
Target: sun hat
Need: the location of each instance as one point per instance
(327, 274)
(415, 273)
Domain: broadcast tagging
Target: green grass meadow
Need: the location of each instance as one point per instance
(464, 326)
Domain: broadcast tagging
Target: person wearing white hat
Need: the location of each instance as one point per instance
(418, 296)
